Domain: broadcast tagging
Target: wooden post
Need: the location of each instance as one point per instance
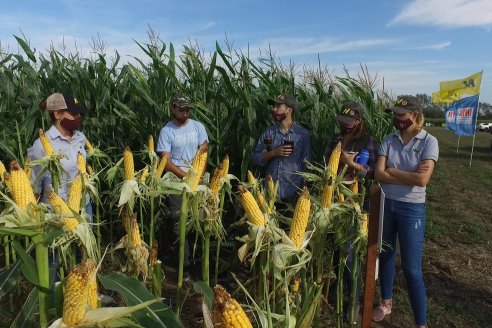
(372, 254)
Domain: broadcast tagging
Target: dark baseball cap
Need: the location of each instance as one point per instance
(289, 100)
(182, 100)
(406, 104)
(350, 112)
(61, 101)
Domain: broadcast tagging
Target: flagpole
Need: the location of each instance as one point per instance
(475, 129)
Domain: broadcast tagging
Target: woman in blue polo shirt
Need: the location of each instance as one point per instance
(404, 167)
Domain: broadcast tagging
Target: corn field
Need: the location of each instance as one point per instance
(232, 212)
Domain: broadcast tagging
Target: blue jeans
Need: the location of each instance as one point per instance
(407, 221)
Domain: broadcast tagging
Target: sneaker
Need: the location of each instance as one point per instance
(382, 310)
(106, 300)
(357, 316)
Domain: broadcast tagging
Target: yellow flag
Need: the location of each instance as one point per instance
(469, 85)
(436, 98)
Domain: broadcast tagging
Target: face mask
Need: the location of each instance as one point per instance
(278, 117)
(181, 119)
(345, 129)
(402, 125)
(71, 124)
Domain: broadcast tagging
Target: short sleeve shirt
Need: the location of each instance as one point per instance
(70, 148)
(182, 142)
(407, 158)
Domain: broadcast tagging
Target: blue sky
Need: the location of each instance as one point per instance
(412, 44)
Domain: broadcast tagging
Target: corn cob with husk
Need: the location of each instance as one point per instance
(90, 170)
(334, 161)
(88, 146)
(354, 187)
(255, 216)
(270, 186)
(27, 168)
(226, 311)
(45, 142)
(2, 171)
(134, 231)
(341, 197)
(144, 174)
(60, 207)
(20, 186)
(327, 196)
(150, 144)
(300, 219)
(81, 163)
(128, 164)
(198, 167)
(93, 293)
(220, 173)
(251, 179)
(153, 253)
(76, 292)
(161, 167)
(365, 224)
(75, 193)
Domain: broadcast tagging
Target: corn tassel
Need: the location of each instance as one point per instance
(334, 160)
(76, 292)
(161, 167)
(75, 194)
(88, 146)
(150, 144)
(300, 219)
(60, 207)
(81, 163)
(20, 186)
(251, 207)
(327, 196)
(226, 311)
(48, 148)
(128, 164)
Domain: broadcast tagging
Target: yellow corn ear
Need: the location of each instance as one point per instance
(161, 167)
(88, 146)
(153, 253)
(75, 193)
(76, 292)
(270, 186)
(89, 169)
(27, 168)
(199, 164)
(225, 166)
(48, 148)
(226, 311)
(20, 186)
(128, 164)
(131, 227)
(93, 297)
(251, 178)
(334, 160)
(251, 207)
(354, 188)
(215, 182)
(150, 144)
(295, 284)
(341, 197)
(300, 219)
(144, 174)
(364, 224)
(2, 171)
(60, 207)
(327, 196)
(81, 163)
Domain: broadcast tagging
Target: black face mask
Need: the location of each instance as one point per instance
(346, 130)
(278, 117)
(71, 125)
(402, 125)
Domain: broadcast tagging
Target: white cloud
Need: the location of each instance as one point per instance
(306, 46)
(436, 46)
(447, 13)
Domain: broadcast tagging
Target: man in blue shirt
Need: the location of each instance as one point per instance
(179, 141)
(284, 149)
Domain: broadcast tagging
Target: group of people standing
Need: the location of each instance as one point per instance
(403, 164)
